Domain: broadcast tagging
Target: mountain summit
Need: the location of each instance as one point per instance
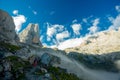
(102, 42)
(7, 28)
(30, 35)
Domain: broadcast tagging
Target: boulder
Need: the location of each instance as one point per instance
(49, 59)
(7, 27)
(30, 35)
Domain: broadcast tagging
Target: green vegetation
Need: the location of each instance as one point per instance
(94, 62)
(9, 47)
(57, 73)
(38, 72)
(18, 66)
(61, 74)
(17, 62)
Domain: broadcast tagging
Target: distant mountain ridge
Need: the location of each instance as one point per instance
(99, 43)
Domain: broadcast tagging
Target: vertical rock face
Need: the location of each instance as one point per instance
(7, 27)
(30, 35)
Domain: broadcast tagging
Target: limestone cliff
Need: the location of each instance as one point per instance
(7, 27)
(30, 35)
(102, 42)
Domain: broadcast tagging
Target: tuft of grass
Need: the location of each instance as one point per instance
(61, 74)
(9, 47)
(17, 62)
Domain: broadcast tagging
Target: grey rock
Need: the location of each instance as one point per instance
(7, 27)
(45, 58)
(1, 54)
(7, 65)
(49, 59)
(8, 76)
(1, 68)
(30, 35)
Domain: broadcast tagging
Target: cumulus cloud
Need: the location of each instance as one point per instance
(115, 23)
(74, 21)
(84, 20)
(15, 12)
(76, 28)
(111, 19)
(52, 30)
(94, 28)
(18, 20)
(61, 36)
(70, 43)
(117, 8)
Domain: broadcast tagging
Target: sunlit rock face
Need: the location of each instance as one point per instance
(7, 27)
(30, 35)
(99, 43)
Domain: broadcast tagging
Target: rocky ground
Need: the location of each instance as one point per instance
(20, 59)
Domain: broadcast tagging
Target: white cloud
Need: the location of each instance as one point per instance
(96, 22)
(84, 20)
(111, 19)
(74, 21)
(94, 28)
(19, 20)
(115, 23)
(76, 28)
(70, 43)
(15, 12)
(117, 8)
(61, 36)
(52, 30)
(34, 12)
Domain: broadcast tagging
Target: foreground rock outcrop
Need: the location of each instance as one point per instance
(24, 61)
(7, 28)
(30, 35)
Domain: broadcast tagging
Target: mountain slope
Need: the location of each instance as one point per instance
(99, 43)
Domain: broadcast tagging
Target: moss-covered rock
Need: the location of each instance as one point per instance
(61, 74)
(18, 66)
(17, 62)
(9, 47)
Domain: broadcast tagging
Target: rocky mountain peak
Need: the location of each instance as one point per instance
(30, 35)
(99, 43)
(7, 27)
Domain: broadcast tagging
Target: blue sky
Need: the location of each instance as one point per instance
(64, 20)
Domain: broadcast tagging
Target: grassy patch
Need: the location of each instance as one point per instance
(61, 74)
(17, 62)
(9, 47)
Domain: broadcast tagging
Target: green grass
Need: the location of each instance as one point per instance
(17, 62)
(17, 65)
(9, 47)
(61, 74)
